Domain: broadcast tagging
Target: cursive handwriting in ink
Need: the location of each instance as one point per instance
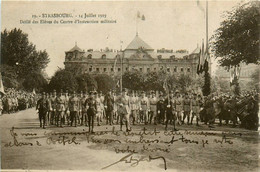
(16, 142)
(130, 159)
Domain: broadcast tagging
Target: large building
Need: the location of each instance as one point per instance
(138, 55)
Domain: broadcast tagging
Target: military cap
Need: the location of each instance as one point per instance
(171, 92)
(124, 90)
(177, 91)
(43, 93)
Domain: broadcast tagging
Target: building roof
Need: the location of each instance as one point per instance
(196, 51)
(136, 43)
(75, 48)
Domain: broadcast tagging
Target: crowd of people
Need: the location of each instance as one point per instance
(131, 108)
(12, 100)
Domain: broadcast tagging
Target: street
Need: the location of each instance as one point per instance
(24, 145)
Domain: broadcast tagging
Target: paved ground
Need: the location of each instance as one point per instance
(26, 146)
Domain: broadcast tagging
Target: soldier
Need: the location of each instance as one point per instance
(42, 107)
(84, 119)
(49, 107)
(60, 109)
(116, 116)
(161, 109)
(124, 110)
(1, 103)
(195, 108)
(79, 114)
(99, 108)
(53, 108)
(186, 108)
(67, 111)
(92, 110)
(74, 105)
(170, 110)
(103, 112)
(178, 106)
(109, 107)
(153, 108)
(133, 107)
(144, 107)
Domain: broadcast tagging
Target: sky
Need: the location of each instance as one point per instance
(168, 24)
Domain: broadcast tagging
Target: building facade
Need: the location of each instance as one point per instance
(138, 55)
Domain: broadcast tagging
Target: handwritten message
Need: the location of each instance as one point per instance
(140, 146)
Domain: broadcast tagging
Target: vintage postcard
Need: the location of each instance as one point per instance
(129, 85)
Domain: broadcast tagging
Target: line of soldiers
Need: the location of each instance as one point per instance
(13, 101)
(83, 109)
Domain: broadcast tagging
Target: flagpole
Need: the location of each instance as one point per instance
(121, 79)
(207, 25)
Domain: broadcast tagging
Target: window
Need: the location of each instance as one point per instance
(119, 69)
(89, 56)
(126, 68)
(97, 69)
(105, 69)
(188, 69)
(168, 69)
(181, 69)
(103, 56)
(175, 69)
(148, 69)
(112, 69)
(90, 69)
(141, 69)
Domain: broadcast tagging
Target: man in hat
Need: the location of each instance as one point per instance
(186, 108)
(195, 108)
(178, 106)
(67, 111)
(99, 108)
(74, 105)
(170, 110)
(1, 103)
(144, 107)
(124, 110)
(81, 102)
(84, 119)
(109, 107)
(53, 119)
(60, 109)
(133, 107)
(42, 107)
(161, 109)
(153, 108)
(91, 110)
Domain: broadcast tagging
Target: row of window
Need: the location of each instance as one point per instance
(140, 69)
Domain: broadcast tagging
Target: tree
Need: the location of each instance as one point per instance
(237, 38)
(35, 81)
(133, 80)
(104, 82)
(255, 79)
(9, 77)
(18, 52)
(86, 82)
(63, 79)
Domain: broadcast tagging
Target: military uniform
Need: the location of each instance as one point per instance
(144, 107)
(124, 111)
(91, 111)
(153, 109)
(170, 111)
(84, 108)
(195, 109)
(186, 108)
(109, 107)
(74, 106)
(42, 107)
(53, 109)
(60, 109)
(161, 109)
(179, 108)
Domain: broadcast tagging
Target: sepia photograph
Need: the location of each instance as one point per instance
(130, 85)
